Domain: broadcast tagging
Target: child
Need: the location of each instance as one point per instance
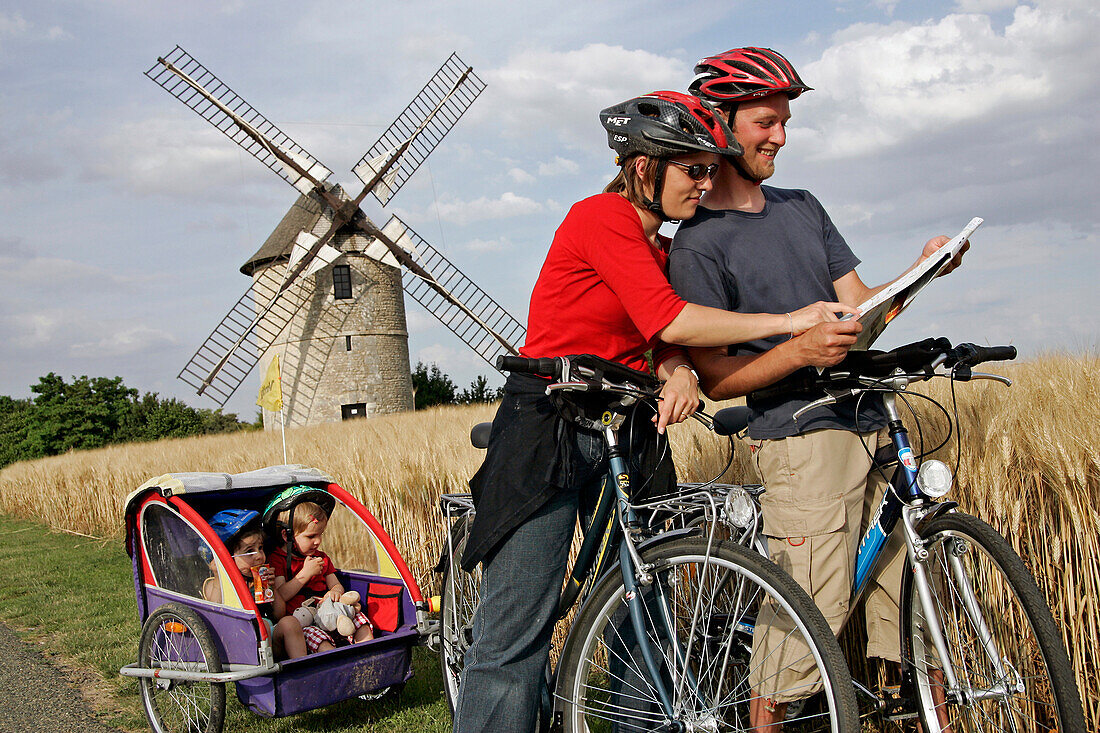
(312, 574)
(242, 533)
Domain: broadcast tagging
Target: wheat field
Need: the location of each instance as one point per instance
(1027, 465)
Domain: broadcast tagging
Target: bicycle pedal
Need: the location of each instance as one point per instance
(895, 706)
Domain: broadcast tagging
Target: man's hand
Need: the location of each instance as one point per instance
(820, 312)
(826, 344)
(935, 243)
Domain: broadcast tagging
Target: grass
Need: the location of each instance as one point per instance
(74, 597)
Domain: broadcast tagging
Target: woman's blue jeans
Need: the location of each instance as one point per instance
(520, 585)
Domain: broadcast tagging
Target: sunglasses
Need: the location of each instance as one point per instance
(697, 171)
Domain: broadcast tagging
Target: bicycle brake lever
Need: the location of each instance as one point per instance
(829, 400)
(995, 377)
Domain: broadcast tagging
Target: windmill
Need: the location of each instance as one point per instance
(344, 354)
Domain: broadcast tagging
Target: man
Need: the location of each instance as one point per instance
(756, 248)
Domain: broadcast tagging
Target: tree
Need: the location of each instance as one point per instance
(431, 387)
(480, 391)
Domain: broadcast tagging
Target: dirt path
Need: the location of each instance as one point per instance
(36, 694)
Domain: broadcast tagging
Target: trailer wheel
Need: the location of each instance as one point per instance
(174, 637)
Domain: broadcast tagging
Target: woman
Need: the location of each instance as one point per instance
(602, 290)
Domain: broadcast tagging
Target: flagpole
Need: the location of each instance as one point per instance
(282, 431)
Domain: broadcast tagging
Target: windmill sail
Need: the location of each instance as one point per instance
(231, 351)
(193, 84)
(419, 128)
(467, 310)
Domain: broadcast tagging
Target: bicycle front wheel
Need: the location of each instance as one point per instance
(700, 613)
(1011, 669)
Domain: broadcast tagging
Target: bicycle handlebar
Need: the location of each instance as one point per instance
(542, 367)
(915, 359)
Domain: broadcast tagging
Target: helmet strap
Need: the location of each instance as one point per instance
(658, 187)
(737, 166)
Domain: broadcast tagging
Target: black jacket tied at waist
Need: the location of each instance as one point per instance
(529, 458)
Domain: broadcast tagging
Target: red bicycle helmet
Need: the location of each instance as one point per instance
(664, 124)
(744, 73)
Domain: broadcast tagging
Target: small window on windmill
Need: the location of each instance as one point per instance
(350, 412)
(341, 282)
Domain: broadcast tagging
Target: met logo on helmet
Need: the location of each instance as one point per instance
(618, 121)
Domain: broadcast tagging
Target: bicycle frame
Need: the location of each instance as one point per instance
(906, 502)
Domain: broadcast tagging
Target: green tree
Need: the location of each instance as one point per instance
(89, 413)
(431, 386)
(480, 391)
(15, 418)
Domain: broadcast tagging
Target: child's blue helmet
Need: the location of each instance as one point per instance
(228, 523)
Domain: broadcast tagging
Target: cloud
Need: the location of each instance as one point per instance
(563, 91)
(489, 245)
(879, 85)
(558, 166)
(173, 157)
(13, 25)
(119, 340)
(984, 6)
(520, 176)
(505, 206)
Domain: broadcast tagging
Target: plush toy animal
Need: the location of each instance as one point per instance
(330, 615)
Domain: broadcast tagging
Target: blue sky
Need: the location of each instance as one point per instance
(126, 216)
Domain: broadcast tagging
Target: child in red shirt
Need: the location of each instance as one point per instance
(312, 574)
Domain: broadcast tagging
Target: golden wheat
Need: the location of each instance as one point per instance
(1027, 465)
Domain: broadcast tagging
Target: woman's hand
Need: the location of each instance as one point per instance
(679, 398)
(804, 319)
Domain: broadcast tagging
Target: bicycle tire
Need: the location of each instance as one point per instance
(1020, 625)
(175, 636)
(600, 685)
(459, 597)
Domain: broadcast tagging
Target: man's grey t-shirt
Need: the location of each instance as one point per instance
(775, 261)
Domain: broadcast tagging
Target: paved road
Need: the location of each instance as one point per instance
(36, 696)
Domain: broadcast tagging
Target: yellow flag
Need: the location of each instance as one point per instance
(271, 390)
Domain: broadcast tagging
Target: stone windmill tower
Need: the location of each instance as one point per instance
(326, 292)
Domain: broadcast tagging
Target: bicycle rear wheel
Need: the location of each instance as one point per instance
(460, 594)
(702, 633)
(1012, 669)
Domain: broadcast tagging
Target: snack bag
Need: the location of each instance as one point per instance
(262, 579)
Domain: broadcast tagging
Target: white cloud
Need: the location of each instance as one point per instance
(173, 157)
(563, 91)
(558, 166)
(984, 6)
(489, 245)
(520, 176)
(13, 25)
(506, 205)
(122, 342)
(879, 85)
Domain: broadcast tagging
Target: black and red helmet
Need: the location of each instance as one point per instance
(665, 124)
(745, 73)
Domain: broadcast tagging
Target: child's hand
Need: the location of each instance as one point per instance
(334, 594)
(311, 567)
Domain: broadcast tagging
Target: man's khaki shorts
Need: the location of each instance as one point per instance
(820, 495)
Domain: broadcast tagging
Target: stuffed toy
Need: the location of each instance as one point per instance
(333, 616)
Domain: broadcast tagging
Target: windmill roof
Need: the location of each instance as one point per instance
(302, 215)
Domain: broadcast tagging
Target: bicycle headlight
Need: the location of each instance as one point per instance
(739, 510)
(934, 478)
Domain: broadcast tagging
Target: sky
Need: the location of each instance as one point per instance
(126, 216)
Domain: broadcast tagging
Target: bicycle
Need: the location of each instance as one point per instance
(968, 664)
(663, 634)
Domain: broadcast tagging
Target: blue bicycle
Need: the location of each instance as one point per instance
(980, 649)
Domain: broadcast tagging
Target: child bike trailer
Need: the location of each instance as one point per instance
(191, 647)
